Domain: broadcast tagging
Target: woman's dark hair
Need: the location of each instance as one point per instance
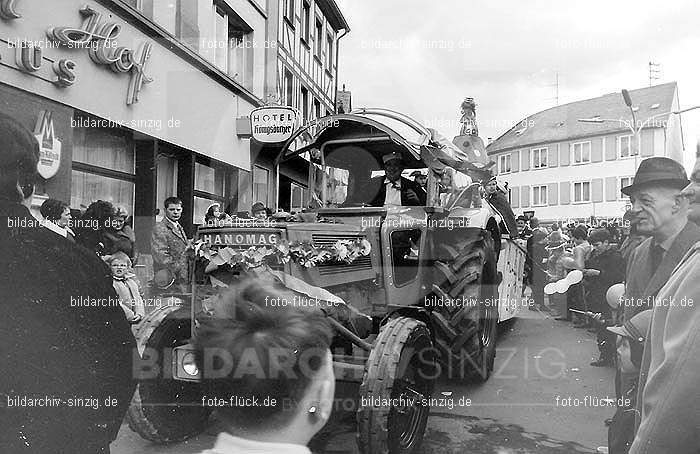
(52, 209)
(19, 154)
(580, 232)
(260, 346)
(92, 225)
(209, 215)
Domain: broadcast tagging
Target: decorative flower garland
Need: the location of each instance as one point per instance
(304, 253)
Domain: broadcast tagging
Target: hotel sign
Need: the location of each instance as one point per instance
(273, 124)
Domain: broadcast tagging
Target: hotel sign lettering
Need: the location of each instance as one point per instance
(95, 35)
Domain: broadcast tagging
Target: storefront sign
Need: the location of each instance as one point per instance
(49, 146)
(7, 10)
(99, 38)
(273, 124)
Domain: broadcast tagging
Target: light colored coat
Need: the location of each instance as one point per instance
(669, 387)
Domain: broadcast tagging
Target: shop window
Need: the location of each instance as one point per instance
(209, 187)
(166, 185)
(261, 183)
(109, 148)
(209, 179)
(88, 187)
(103, 165)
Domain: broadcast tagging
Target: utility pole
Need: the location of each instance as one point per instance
(654, 72)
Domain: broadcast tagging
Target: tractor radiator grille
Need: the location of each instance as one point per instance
(361, 263)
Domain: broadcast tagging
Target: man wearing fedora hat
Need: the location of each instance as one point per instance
(397, 190)
(661, 212)
(668, 400)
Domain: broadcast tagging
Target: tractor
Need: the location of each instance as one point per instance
(417, 291)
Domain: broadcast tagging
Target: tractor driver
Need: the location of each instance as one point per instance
(397, 190)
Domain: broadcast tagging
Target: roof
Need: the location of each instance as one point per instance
(333, 14)
(561, 122)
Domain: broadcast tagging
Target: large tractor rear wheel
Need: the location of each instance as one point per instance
(398, 380)
(466, 276)
(163, 409)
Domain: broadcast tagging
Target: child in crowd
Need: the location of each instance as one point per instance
(127, 287)
(630, 346)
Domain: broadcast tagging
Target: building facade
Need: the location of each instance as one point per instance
(302, 72)
(134, 101)
(565, 169)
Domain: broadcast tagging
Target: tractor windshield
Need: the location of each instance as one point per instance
(329, 185)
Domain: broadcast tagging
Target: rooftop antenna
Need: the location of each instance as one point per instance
(654, 72)
(556, 88)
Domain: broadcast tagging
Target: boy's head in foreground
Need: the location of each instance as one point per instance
(270, 365)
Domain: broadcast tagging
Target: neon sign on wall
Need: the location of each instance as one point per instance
(98, 37)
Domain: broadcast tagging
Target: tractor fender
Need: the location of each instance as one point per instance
(149, 324)
(415, 312)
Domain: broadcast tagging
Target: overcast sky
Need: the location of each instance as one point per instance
(423, 58)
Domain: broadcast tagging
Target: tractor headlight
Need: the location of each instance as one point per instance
(189, 365)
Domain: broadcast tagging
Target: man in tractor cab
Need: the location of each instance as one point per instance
(397, 190)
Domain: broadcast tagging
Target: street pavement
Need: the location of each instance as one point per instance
(516, 411)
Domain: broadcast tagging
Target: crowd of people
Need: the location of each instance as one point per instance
(651, 332)
(651, 338)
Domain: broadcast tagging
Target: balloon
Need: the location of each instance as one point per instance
(614, 295)
(562, 286)
(550, 289)
(574, 276)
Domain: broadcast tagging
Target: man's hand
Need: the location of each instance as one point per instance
(412, 197)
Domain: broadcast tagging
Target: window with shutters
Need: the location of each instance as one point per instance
(625, 181)
(582, 192)
(581, 152)
(539, 196)
(504, 164)
(539, 157)
(625, 148)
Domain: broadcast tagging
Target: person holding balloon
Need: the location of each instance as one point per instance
(604, 268)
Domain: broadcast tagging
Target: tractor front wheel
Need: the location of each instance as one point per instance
(164, 409)
(398, 380)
